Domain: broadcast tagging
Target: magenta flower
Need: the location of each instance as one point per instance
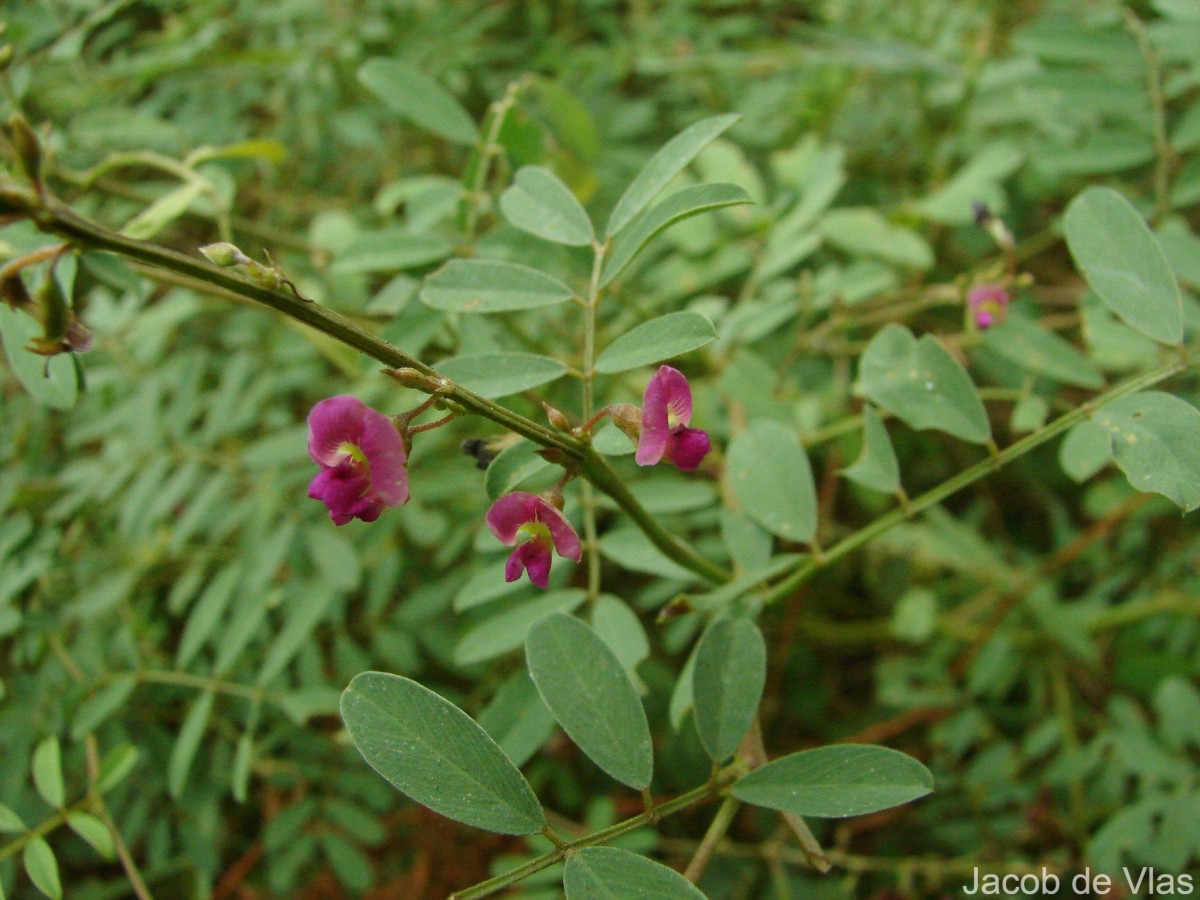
(988, 304)
(518, 514)
(362, 460)
(666, 412)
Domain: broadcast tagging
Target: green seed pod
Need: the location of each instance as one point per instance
(224, 254)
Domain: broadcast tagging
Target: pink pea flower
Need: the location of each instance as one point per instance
(666, 412)
(988, 304)
(518, 515)
(362, 460)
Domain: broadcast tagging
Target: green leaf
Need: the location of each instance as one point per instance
(517, 718)
(609, 873)
(668, 162)
(493, 375)
(1124, 263)
(620, 628)
(304, 612)
(10, 822)
(663, 338)
(628, 548)
(116, 765)
(876, 466)
(1025, 343)
(915, 616)
(591, 696)
(538, 202)
(506, 631)
(433, 752)
(102, 704)
(836, 781)
(418, 98)
(1084, 451)
(727, 684)
(487, 584)
(206, 613)
(351, 866)
(683, 204)
(748, 542)
(51, 381)
(47, 772)
(512, 467)
(389, 250)
(1029, 414)
(93, 831)
(42, 867)
(863, 231)
(1155, 439)
(922, 384)
(165, 210)
(188, 743)
(772, 478)
(612, 441)
(243, 759)
(490, 286)
(976, 182)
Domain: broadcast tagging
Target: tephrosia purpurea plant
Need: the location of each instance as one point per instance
(704, 492)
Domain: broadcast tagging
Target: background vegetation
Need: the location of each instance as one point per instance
(180, 621)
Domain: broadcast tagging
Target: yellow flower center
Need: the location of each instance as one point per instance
(537, 531)
(353, 451)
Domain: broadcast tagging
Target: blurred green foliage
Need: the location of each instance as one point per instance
(181, 621)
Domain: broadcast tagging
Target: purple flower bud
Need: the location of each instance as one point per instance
(988, 304)
(362, 459)
(520, 514)
(666, 412)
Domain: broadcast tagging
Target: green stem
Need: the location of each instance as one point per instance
(716, 831)
(53, 217)
(591, 538)
(706, 791)
(16, 845)
(480, 164)
(1163, 152)
(811, 566)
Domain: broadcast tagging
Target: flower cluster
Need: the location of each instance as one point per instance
(363, 458)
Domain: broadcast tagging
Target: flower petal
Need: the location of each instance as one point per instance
(346, 490)
(509, 513)
(384, 449)
(687, 446)
(333, 422)
(534, 558)
(655, 420)
(566, 541)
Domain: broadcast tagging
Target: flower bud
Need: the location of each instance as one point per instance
(415, 379)
(224, 254)
(556, 417)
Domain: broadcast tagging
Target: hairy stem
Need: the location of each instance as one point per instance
(812, 565)
(54, 217)
(591, 539)
(716, 832)
(694, 797)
